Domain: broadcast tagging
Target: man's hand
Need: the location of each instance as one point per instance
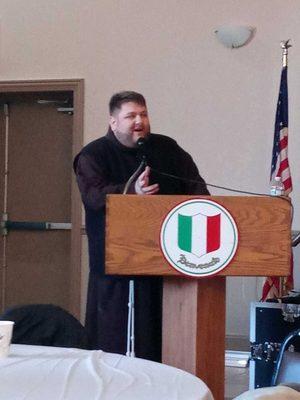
(142, 184)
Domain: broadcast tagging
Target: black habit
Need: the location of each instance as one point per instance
(103, 167)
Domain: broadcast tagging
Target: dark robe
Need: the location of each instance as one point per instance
(102, 167)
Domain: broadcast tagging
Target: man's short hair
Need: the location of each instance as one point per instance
(118, 99)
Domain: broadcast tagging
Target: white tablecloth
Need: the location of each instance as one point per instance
(53, 373)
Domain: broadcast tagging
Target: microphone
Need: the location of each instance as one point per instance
(142, 151)
(141, 142)
(141, 145)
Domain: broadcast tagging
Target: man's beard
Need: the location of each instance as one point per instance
(129, 139)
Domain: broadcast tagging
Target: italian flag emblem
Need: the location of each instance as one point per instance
(199, 237)
(199, 234)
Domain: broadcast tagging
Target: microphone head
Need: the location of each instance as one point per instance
(141, 145)
(141, 142)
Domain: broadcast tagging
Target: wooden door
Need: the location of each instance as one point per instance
(36, 263)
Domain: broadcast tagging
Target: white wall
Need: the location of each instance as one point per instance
(218, 103)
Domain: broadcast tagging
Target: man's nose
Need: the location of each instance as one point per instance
(138, 119)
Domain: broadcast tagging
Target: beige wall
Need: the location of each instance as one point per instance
(218, 103)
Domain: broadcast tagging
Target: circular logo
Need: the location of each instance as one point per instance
(199, 237)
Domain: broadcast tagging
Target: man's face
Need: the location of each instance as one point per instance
(130, 123)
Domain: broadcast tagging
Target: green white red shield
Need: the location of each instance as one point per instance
(199, 237)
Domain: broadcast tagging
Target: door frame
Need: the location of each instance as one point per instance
(77, 87)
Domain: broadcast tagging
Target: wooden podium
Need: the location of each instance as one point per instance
(194, 308)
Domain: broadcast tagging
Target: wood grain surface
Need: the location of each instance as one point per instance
(194, 328)
(133, 226)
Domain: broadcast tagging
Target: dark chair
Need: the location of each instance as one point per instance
(46, 325)
(287, 368)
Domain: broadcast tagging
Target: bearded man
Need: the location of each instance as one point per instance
(102, 167)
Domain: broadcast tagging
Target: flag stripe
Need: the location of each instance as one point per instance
(288, 182)
(283, 142)
(213, 233)
(199, 234)
(184, 232)
(284, 165)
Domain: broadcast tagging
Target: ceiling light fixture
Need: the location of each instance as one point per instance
(234, 36)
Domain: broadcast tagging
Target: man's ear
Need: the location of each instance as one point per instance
(112, 122)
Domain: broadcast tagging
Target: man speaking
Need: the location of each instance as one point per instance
(102, 167)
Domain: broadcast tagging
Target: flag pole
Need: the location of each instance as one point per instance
(285, 46)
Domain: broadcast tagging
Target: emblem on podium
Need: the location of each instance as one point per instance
(199, 237)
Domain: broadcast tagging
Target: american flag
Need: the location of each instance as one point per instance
(280, 162)
(280, 167)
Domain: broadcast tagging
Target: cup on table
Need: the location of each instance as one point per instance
(6, 330)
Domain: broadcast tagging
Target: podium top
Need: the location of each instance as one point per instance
(133, 226)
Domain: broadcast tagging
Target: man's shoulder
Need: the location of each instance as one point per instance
(95, 145)
(157, 138)
(92, 149)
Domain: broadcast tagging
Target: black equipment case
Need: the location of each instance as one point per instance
(270, 323)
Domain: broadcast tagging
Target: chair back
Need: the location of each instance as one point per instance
(46, 325)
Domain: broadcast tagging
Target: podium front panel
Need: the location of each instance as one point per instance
(133, 225)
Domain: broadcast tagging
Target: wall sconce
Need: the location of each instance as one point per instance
(234, 36)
